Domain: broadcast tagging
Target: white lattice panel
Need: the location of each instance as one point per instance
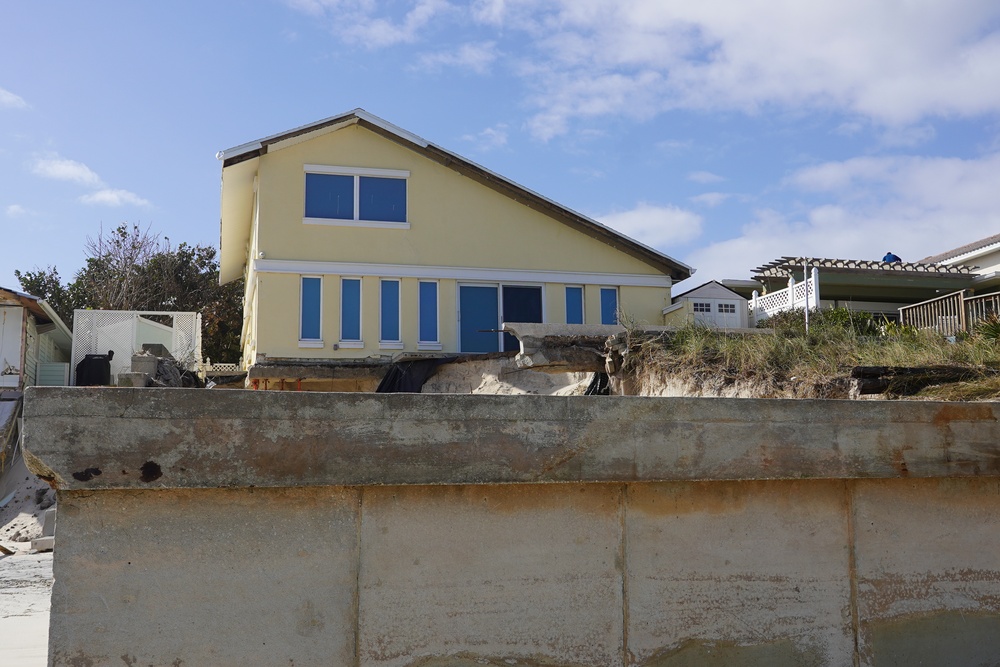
(125, 331)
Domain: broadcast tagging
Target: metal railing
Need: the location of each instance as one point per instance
(951, 313)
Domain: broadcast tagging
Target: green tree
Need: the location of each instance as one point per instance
(134, 269)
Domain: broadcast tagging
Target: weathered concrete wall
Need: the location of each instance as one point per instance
(234, 528)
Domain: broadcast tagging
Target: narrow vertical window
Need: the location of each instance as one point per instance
(310, 309)
(389, 311)
(574, 305)
(350, 309)
(609, 305)
(428, 325)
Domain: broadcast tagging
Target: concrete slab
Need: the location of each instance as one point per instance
(928, 568)
(136, 438)
(738, 573)
(491, 575)
(217, 577)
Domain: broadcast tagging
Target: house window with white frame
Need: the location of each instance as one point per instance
(729, 308)
(311, 311)
(350, 313)
(355, 196)
(574, 304)
(609, 305)
(389, 337)
(428, 337)
(701, 307)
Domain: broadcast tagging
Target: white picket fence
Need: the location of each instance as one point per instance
(797, 295)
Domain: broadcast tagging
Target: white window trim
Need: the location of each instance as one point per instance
(461, 273)
(311, 342)
(430, 344)
(360, 342)
(357, 172)
(391, 343)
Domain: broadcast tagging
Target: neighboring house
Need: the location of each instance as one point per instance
(361, 241)
(871, 286)
(35, 345)
(984, 254)
(712, 305)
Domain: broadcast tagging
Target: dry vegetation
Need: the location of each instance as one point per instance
(793, 363)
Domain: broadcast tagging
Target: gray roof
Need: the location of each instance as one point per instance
(962, 250)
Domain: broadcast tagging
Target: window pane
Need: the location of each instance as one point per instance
(350, 309)
(609, 305)
(310, 311)
(382, 199)
(428, 313)
(390, 310)
(574, 305)
(329, 196)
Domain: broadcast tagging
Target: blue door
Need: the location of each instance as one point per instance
(478, 314)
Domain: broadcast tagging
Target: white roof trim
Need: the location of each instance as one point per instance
(958, 259)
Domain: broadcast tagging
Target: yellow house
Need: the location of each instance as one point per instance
(361, 241)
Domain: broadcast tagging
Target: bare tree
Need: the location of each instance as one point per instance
(116, 275)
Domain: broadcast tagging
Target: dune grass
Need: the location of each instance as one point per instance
(837, 341)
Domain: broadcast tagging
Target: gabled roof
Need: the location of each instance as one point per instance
(234, 246)
(708, 284)
(989, 243)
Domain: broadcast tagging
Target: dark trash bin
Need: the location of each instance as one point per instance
(94, 370)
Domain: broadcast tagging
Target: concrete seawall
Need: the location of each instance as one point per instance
(231, 527)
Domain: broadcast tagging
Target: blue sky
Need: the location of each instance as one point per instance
(724, 134)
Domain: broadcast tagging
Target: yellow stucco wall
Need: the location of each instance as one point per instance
(454, 222)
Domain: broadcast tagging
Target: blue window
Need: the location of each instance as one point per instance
(574, 305)
(382, 199)
(310, 311)
(355, 194)
(428, 312)
(350, 309)
(609, 305)
(389, 315)
(330, 196)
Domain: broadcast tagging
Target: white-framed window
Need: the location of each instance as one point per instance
(428, 316)
(701, 307)
(355, 196)
(729, 308)
(389, 315)
(574, 304)
(609, 305)
(350, 313)
(311, 312)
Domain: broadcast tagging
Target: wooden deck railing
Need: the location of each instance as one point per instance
(951, 313)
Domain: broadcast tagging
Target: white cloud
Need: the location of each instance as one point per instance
(61, 169)
(112, 197)
(913, 206)
(660, 227)
(711, 199)
(704, 177)
(359, 21)
(9, 100)
(894, 62)
(490, 138)
(16, 211)
(474, 57)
